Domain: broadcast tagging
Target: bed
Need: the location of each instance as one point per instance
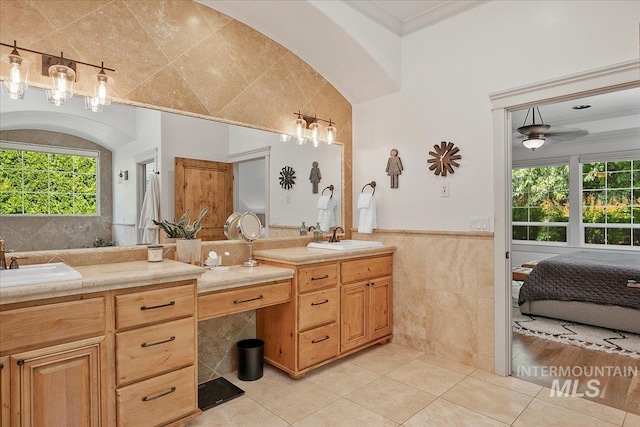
(585, 287)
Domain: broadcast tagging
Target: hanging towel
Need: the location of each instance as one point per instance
(326, 212)
(150, 211)
(323, 202)
(367, 207)
(364, 200)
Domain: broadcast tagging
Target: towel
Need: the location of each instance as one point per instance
(326, 215)
(150, 211)
(323, 202)
(368, 220)
(364, 200)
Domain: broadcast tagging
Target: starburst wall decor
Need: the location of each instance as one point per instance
(287, 177)
(444, 158)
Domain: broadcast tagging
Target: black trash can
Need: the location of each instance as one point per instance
(250, 359)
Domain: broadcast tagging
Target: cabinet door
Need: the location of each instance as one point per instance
(380, 312)
(4, 391)
(353, 316)
(58, 386)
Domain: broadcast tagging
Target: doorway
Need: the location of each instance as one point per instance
(615, 77)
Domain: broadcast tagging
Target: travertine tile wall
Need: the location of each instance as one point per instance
(443, 297)
(31, 233)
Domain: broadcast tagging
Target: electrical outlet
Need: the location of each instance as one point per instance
(444, 189)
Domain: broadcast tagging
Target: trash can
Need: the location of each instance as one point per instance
(250, 359)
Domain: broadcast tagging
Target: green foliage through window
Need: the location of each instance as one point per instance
(611, 203)
(540, 196)
(40, 183)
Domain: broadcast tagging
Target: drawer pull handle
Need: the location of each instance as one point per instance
(144, 307)
(235, 301)
(320, 340)
(326, 276)
(147, 399)
(320, 303)
(144, 344)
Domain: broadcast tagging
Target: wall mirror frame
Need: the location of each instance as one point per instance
(159, 158)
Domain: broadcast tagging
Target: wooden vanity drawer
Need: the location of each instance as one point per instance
(366, 268)
(242, 299)
(159, 305)
(147, 351)
(158, 400)
(317, 345)
(47, 324)
(317, 277)
(317, 308)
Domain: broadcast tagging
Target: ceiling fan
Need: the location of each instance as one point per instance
(536, 133)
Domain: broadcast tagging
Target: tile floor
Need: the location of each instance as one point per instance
(391, 385)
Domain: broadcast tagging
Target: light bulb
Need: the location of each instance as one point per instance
(300, 127)
(331, 133)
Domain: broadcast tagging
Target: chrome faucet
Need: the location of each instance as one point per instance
(334, 237)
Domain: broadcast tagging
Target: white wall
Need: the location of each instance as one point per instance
(448, 72)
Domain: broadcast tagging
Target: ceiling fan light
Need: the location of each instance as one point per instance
(533, 142)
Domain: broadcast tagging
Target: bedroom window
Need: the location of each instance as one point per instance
(48, 181)
(540, 203)
(611, 203)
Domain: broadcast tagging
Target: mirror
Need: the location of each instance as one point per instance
(250, 229)
(142, 141)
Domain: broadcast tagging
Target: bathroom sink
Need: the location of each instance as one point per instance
(38, 273)
(345, 245)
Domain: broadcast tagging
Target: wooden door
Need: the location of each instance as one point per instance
(200, 184)
(4, 391)
(58, 386)
(380, 312)
(353, 316)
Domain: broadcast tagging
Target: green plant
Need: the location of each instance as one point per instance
(101, 242)
(183, 229)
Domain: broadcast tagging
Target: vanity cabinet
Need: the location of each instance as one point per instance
(155, 355)
(123, 357)
(337, 308)
(54, 356)
(366, 308)
(58, 386)
(5, 377)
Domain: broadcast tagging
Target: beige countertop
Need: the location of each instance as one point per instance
(238, 276)
(304, 255)
(104, 277)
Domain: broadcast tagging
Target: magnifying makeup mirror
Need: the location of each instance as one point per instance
(246, 226)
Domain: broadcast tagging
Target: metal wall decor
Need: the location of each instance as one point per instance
(444, 158)
(287, 177)
(394, 167)
(315, 176)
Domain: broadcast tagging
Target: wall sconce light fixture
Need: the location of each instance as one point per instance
(15, 69)
(14, 74)
(307, 127)
(124, 175)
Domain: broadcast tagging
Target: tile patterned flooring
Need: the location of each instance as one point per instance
(391, 385)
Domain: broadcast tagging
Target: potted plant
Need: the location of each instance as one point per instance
(188, 247)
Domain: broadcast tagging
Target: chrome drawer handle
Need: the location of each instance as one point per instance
(235, 301)
(144, 307)
(320, 340)
(144, 344)
(320, 303)
(146, 398)
(326, 276)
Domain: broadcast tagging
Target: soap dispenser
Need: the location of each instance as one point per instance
(317, 233)
(303, 229)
